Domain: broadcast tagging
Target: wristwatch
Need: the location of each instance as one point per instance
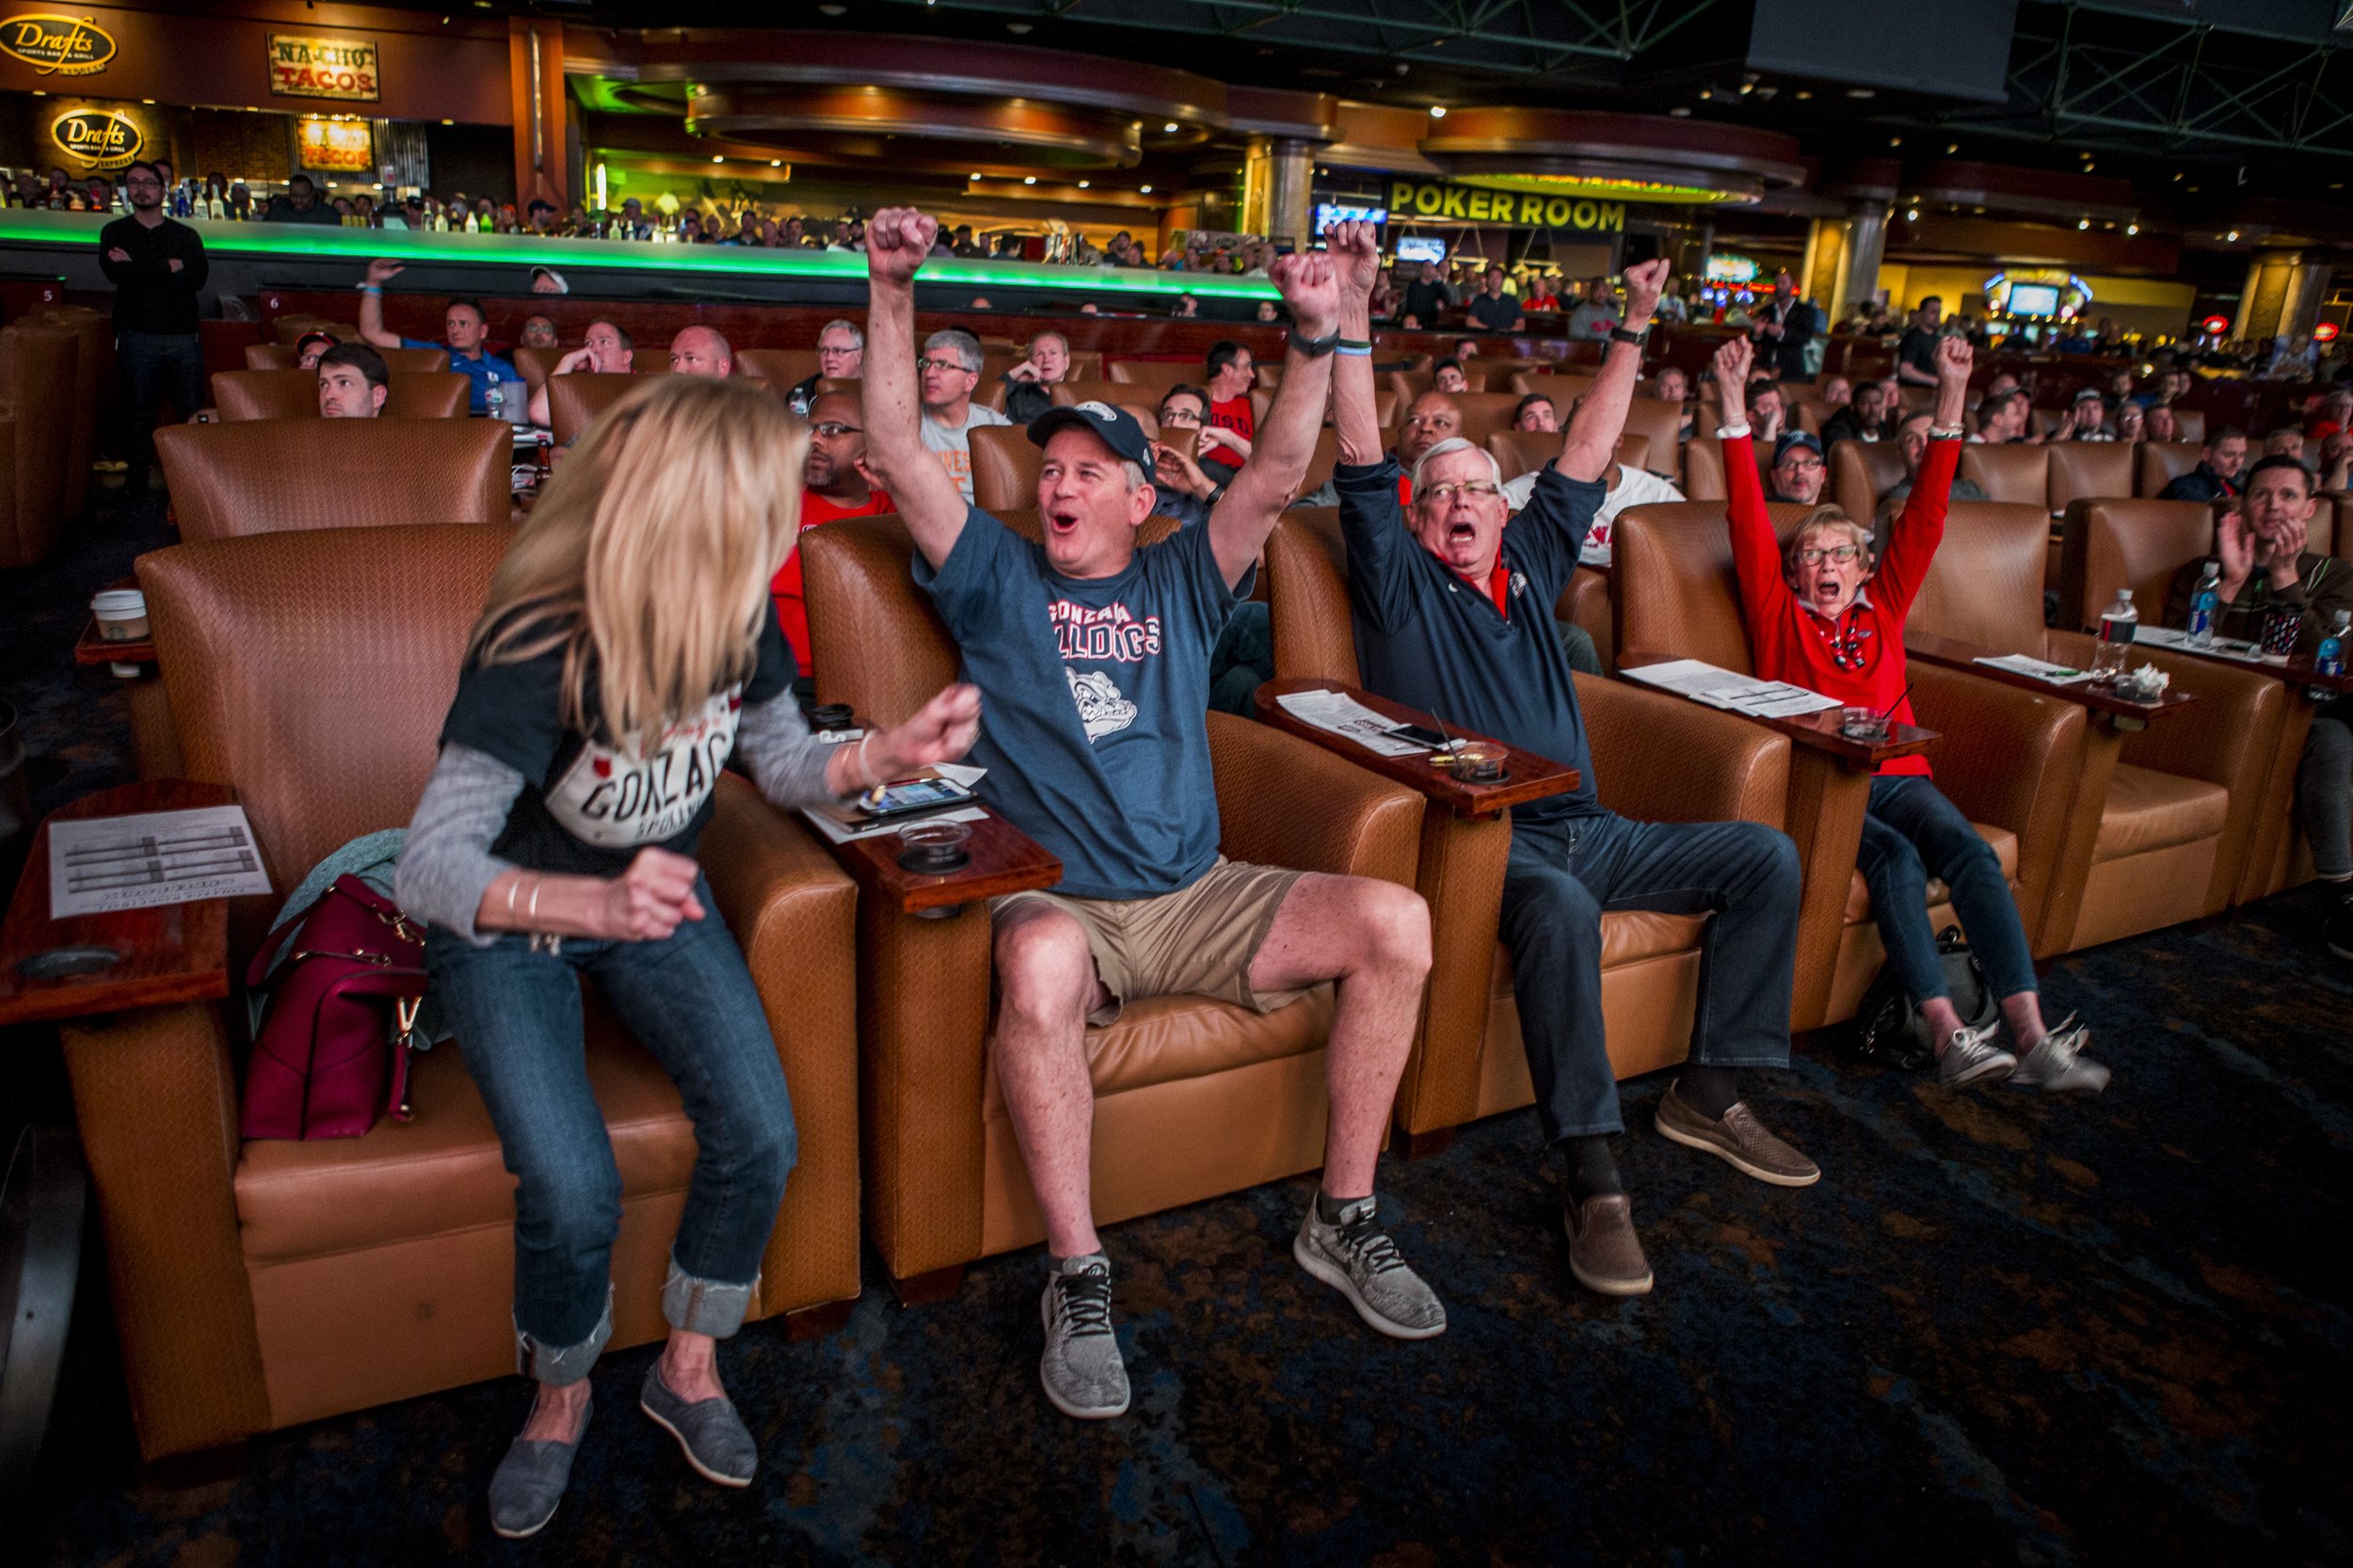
(1317, 347)
(1619, 334)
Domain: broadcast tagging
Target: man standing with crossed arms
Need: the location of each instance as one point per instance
(1093, 659)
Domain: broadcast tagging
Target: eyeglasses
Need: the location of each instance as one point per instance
(833, 429)
(1445, 492)
(943, 364)
(1181, 416)
(1803, 464)
(1815, 555)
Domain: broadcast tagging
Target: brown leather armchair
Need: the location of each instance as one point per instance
(1860, 473)
(94, 341)
(406, 362)
(2019, 474)
(1656, 757)
(1563, 388)
(1005, 464)
(1677, 597)
(2082, 470)
(574, 401)
(1142, 399)
(2158, 464)
(1194, 1098)
(1409, 384)
(782, 368)
(1519, 452)
(263, 475)
(37, 366)
(1662, 423)
(1704, 467)
(259, 1285)
(242, 394)
(1158, 374)
(2139, 545)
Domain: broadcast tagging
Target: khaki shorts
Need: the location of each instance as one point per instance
(1198, 939)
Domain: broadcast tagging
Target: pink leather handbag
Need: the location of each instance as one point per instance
(326, 1060)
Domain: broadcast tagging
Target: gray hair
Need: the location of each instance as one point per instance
(966, 346)
(1453, 444)
(858, 336)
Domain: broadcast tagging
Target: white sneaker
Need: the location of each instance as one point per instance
(2056, 1063)
(1081, 1369)
(1969, 1055)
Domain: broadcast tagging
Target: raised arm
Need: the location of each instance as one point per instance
(1355, 410)
(897, 240)
(1755, 551)
(380, 271)
(1912, 543)
(1591, 444)
(1239, 523)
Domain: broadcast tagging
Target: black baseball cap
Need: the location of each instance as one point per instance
(1116, 426)
(1797, 437)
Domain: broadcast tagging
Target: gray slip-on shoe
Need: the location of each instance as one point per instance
(530, 1481)
(715, 1441)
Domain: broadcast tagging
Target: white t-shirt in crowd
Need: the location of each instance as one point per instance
(954, 443)
(1635, 488)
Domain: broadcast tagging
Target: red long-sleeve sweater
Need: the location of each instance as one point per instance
(1859, 659)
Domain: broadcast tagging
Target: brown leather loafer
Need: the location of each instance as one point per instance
(1738, 1139)
(1605, 1255)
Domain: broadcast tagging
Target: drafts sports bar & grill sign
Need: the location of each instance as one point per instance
(324, 68)
(100, 137)
(57, 46)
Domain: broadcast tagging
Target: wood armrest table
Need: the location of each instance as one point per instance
(175, 952)
(1003, 859)
(1818, 731)
(1527, 777)
(91, 648)
(2100, 698)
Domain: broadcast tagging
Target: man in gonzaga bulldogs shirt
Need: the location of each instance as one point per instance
(1093, 658)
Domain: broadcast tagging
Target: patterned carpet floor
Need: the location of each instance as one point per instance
(2003, 1329)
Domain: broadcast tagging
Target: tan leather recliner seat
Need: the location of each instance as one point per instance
(406, 362)
(38, 364)
(266, 475)
(2158, 464)
(241, 395)
(1860, 473)
(259, 1285)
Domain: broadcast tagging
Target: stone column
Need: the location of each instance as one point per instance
(1865, 240)
(1277, 175)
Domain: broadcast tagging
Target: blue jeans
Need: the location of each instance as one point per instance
(689, 1000)
(1910, 834)
(1563, 875)
(2325, 780)
(156, 366)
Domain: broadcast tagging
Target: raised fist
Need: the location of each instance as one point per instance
(1357, 255)
(897, 241)
(1309, 285)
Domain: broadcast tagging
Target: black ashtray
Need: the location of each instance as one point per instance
(832, 715)
(933, 848)
(65, 963)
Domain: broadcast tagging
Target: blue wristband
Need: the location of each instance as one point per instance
(1355, 353)
(369, 288)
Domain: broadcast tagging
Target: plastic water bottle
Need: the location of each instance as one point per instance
(2330, 658)
(2120, 623)
(2203, 603)
(493, 396)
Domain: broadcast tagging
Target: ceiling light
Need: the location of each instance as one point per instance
(1951, 147)
(2232, 237)
(1748, 87)
(1083, 185)
(1017, 28)
(1170, 128)
(2089, 168)
(976, 175)
(1147, 189)
(1437, 111)
(1912, 214)
(1029, 179)
(833, 11)
(147, 100)
(1681, 111)
(1804, 93)
(1707, 92)
(449, 122)
(1860, 92)
(1895, 142)
(718, 158)
(775, 163)
(2132, 228)
(2083, 223)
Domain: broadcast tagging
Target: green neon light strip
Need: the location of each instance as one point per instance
(33, 226)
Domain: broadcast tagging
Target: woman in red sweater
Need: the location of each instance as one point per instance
(1813, 623)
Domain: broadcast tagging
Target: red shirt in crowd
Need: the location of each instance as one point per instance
(792, 606)
(1859, 658)
(1237, 415)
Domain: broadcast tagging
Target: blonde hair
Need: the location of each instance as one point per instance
(1824, 519)
(649, 558)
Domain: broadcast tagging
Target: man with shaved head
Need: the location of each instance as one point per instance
(701, 351)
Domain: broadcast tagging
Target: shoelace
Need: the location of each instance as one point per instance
(2064, 1042)
(1364, 1240)
(1086, 1304)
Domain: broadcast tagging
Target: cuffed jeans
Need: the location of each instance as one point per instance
(689, 1000)
(2325, 782)
(1563, 875)
(155, 366)
(1910, 832)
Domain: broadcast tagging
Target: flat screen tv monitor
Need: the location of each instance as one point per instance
(1420, 248)
(2034, 299)
(1329, 213)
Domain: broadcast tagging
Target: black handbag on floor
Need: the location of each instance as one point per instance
(1888, 1029)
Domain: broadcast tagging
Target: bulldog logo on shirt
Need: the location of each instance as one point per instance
(647, 789)
(1101, 708)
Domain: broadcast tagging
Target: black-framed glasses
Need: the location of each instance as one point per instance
(1814, 556)
(833, 429)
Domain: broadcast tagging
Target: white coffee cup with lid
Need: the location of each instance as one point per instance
(121, 615)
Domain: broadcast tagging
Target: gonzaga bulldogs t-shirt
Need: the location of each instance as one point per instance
(1094, 693)
(591, 802)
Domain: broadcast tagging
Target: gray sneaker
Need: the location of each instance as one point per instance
(1969, 1055)
(530, 1481)
(1081, 1368)
(2057, 1063)
(710, 1432)
(1357, 1258)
